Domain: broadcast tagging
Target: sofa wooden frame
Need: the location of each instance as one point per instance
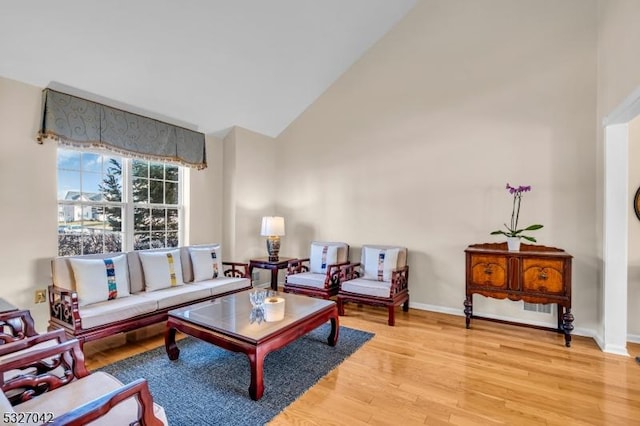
(64, 311)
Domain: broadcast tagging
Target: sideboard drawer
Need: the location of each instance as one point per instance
(543, 275)
(489, 271)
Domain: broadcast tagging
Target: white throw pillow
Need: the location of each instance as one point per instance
(322, 256)
(98, 280)
(206, 262)
(161, 269)
(378, 263)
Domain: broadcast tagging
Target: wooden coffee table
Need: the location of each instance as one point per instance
(226, 322)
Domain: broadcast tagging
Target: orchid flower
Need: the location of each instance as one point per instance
(512, 229)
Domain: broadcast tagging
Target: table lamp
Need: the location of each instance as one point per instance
(272, 228)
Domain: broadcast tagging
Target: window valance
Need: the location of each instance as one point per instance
(78, 122)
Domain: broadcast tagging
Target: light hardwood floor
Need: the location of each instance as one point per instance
(429, 369)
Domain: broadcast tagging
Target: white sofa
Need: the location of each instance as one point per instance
(86, 314)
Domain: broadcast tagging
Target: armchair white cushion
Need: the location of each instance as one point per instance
(367, 287)
(379, 262)
(318, 275)
(321, 256)
(380, 279)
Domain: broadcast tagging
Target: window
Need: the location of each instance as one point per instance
(109, 204)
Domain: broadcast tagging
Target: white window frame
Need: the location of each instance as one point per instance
(127, 204)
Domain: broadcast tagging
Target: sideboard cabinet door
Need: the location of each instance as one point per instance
(543, 276)
(489, 271)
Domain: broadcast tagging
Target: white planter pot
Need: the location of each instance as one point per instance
(513, 243)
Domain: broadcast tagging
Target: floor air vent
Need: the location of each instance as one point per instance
(537, 307)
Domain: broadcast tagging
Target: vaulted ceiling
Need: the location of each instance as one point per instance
(205, 64)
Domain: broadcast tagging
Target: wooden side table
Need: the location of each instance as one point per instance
(273, 266)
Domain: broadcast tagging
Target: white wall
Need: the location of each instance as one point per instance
(29, 212)
(205, 194)
(415, 143)
(250, 162)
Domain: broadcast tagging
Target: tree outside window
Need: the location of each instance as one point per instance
(96, 202)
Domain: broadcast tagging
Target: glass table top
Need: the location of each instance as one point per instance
(234, 315)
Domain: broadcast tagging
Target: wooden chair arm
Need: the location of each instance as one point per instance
(237, 270)
(63, 306)
(16, 325)
(349, 271)
(97, 408)
(296, 266)
(66, 355)
(399, 279)
(19, 345)
(333, 274)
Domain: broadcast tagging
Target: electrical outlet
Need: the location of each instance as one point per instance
(41, 296)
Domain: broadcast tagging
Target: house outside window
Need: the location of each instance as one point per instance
(110, 204)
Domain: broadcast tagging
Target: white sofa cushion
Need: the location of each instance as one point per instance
(98, 280)
(161, 269)
(206, 262)
(308, 279)
(115, 310)
(86, 389)
(219, 285)
(321, 256)
(379, 263)
(174, 296)
(367, 287)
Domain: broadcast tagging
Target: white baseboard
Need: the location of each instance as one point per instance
(584, 332)
(460, 312)
(435, 308)
(633, 338)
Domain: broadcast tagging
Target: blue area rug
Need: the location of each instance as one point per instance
(208, 385)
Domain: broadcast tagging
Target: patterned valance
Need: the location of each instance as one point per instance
(78, 122)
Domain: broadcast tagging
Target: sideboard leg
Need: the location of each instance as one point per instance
(468, 310)
(567, 326)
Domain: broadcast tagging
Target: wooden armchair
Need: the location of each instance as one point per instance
(23, 346)
(319, 274)
(69, 395)
(380, 279)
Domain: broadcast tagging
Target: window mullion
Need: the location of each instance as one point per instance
(128, 219)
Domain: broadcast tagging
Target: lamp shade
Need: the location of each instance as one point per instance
(272, 226)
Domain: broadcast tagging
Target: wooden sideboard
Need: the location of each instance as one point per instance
(535, 274)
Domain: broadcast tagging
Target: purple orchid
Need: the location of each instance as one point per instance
(513, 231)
